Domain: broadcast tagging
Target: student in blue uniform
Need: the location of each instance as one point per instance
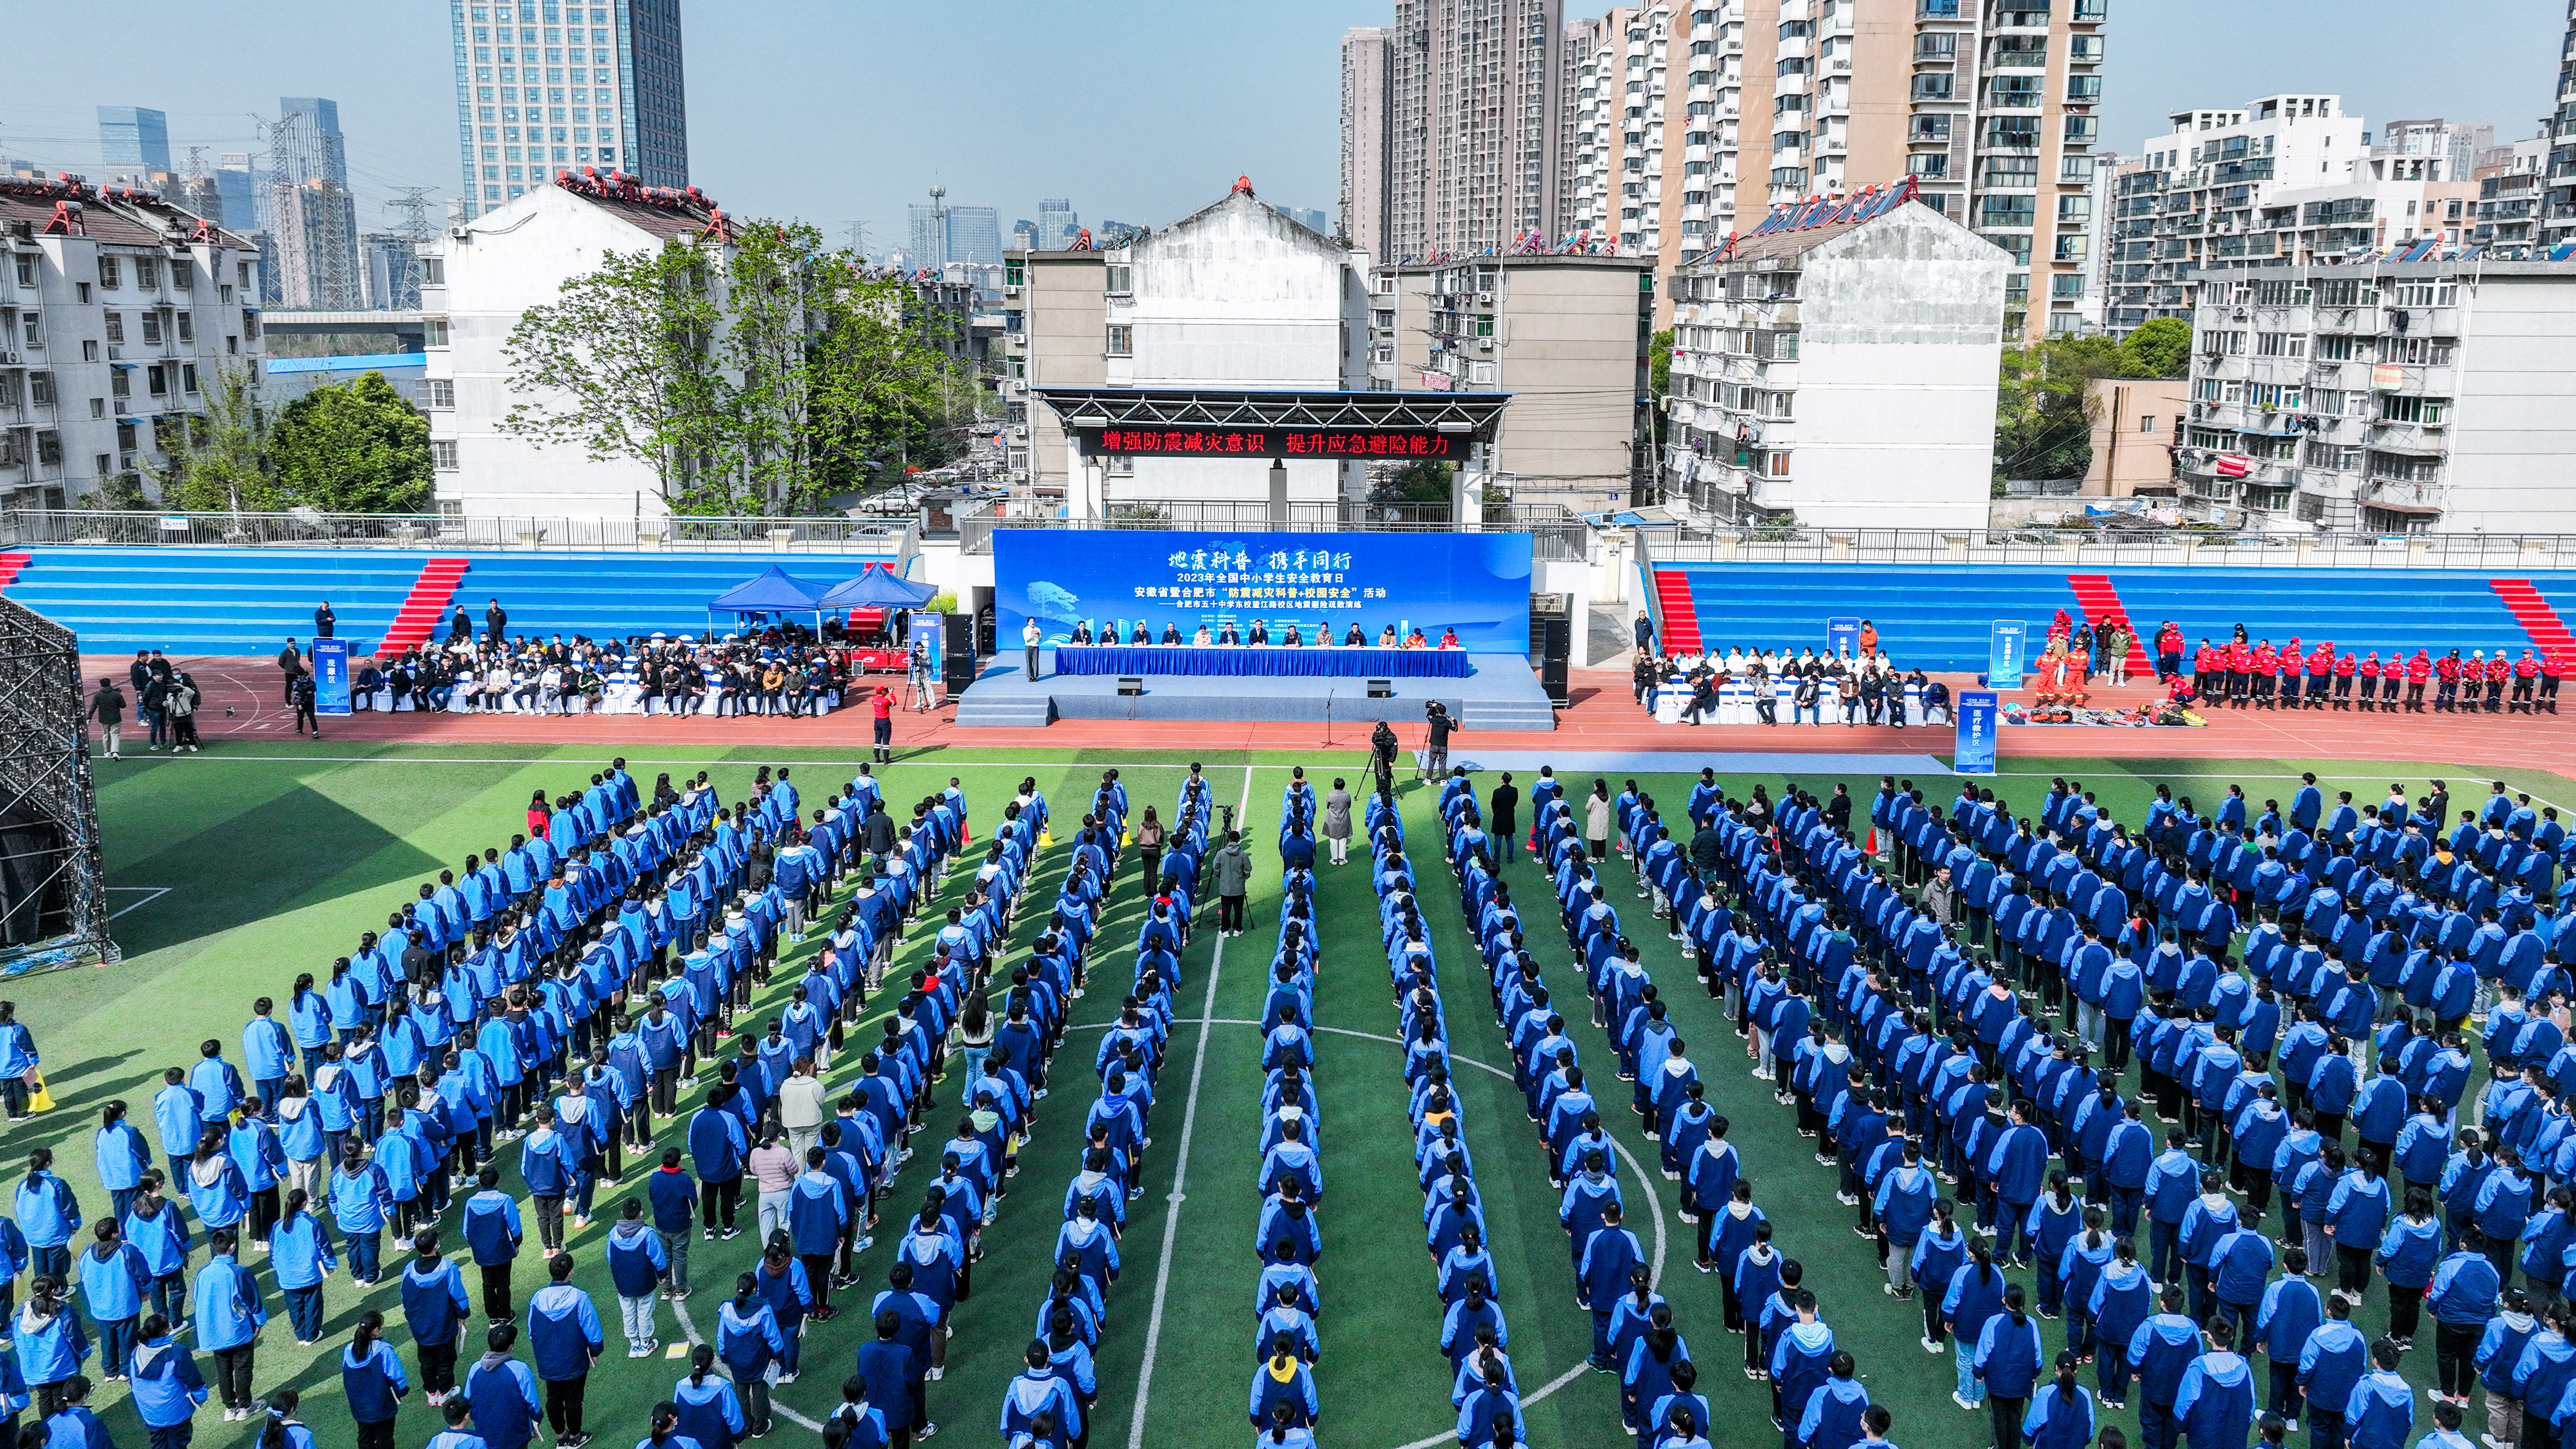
(2215, 1404)
(373, 1382)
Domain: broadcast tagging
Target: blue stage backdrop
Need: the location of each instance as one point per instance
(1475, 583)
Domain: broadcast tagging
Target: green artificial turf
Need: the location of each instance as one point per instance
(274, 857)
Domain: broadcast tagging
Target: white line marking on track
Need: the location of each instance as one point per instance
(689, 1326)
(151, 894)
(1180, 1173)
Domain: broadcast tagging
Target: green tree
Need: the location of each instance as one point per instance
(625, 365)
(353, 447)
(1423, 480)
(219, 459)
(2041, 427)
(1659, 381)
(885, 391)
(2160, 347)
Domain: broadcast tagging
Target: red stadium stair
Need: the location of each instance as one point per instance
(2548, 632)
(13, 564)
(421, 613)
(2101, 603)
(1681, 620)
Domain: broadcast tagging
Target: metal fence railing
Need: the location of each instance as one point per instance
(2107, 547)
(305, 528)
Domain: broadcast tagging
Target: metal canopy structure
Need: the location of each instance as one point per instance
(1462, 417)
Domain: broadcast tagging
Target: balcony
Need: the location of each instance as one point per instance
(2413, 439)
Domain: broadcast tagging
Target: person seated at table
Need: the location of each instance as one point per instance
(1355, 639)
(1081, 632)
(1140, 636)
(1449, 638)
(1229, 637)
(1415, 640)
(1324, 634)
(1292, 639)
(1171, 633)
(1386, 637)
(1201, 638)
(1260, 632)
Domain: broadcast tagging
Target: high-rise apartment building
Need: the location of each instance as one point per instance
(2558, 204)
(975, 235)
(2286, 178)
(1057, 224)
(1682, 121)
(1471, 126)
(133, 142)
(1365, 137)
(237, 182)
(543, 86)
(311, 219)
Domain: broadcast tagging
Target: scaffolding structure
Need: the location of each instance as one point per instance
(53, 890)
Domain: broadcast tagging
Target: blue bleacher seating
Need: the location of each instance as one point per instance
(193, 601)
(1937, 617)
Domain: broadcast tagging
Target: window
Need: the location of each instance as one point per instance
(2066, 286)
(442, 392)
(1936, 45)
(188, 376)
(2330, 455)
(147, 273)
(116, 327)
(89, 350)
(2083, 89)
(433, 271)
(2006, 211)
(1777, 465)
(155, 382)
(2074, 208)
(1930, 128)
(2429, 412)
(1930, 165)
(1122, 340)
(434, 332)
(1936, 86)
(49, 448)
(180, 278)
(151, 329)
(2280, 344)
(26, 271)
(2146, 422)
(442, 454)
(1121, 279)
(187, 326)
(2334, 347)
(40, 389)
(108, 269)
(2075, 170)
(1121, 465)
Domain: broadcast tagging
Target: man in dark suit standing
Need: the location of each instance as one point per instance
(1502, 810)
(495, 620)
(290, 663)
(324, 621)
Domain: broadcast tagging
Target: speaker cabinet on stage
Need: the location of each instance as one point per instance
(1381, 689)
(1552, 631)
(957, 652)
(1131, 684)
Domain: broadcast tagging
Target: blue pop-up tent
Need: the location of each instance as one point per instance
(876, 587)
(774, 591)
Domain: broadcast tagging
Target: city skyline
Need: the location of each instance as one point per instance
(1004, 143)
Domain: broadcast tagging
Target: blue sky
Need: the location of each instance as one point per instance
(845, 110)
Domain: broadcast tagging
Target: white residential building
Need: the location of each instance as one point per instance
(1842, 375)
(476, 283)
(2389, 396)
(117, 312)
(1236, 295)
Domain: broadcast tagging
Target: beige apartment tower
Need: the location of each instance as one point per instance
(1683, 121)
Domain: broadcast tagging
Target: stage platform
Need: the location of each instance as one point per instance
(1501, 694)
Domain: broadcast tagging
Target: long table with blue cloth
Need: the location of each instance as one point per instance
(1259, 659)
